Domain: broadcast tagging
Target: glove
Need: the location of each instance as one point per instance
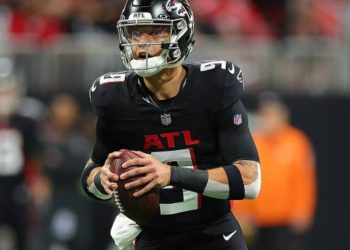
(124, 232)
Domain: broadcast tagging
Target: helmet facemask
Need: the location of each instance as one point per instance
(149, 46)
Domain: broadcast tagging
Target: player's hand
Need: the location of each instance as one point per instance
(155, 174)
(108, 179)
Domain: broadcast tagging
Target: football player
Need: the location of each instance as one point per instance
(19, 165)
(188, 123)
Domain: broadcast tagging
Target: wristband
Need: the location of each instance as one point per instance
(85, 175)
(252, 190)
(235, 182)
(217, 190)
(190, 179)
(97, 189)
(98, 184)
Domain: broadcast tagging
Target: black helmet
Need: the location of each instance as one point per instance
(175, 16)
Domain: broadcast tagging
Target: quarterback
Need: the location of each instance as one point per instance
(187, 122)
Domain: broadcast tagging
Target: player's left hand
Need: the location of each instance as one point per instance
(155, 173)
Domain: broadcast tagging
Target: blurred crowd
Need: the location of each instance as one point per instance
(46, 21)
(42, 151)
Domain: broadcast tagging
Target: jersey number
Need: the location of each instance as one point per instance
(112, 78)
(205, 66)
(190, 200)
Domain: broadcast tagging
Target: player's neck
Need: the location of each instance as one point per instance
(167, 83)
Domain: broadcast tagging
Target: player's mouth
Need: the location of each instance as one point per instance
(144, 56)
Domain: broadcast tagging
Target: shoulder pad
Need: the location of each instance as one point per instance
(234, 84)
(107, 88)
(224, 78)
(106, 79)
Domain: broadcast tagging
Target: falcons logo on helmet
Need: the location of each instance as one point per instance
(177, 7)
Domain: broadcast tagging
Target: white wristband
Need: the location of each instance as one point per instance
(252, 190)
(93, 189)
(217, 190)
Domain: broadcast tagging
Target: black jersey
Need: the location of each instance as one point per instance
(18, 144)
(203, 127)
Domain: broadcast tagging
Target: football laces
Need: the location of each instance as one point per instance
(117, 201)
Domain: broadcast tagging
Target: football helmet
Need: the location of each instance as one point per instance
(10, 88)
(167, 24)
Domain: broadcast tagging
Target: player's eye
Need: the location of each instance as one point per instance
(160, 31)
(152, 33)
(156, 31)
(136, 34)
(149, 31)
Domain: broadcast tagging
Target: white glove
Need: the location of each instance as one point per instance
(124, 232)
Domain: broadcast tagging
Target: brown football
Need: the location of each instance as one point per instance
(142, 209)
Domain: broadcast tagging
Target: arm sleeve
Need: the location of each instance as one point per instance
(101, 147)
(235, 140)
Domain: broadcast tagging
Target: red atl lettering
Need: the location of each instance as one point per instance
(168, 140)
(188, 138)
(152, 141)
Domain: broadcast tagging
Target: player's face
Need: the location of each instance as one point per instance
(9, 100)
(146, 40)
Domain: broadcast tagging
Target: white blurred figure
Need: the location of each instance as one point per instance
(18, 165)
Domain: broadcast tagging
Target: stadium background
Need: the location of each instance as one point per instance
(299, 48)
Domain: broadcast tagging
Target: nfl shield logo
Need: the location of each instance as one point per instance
(237, 119)
(166, 119)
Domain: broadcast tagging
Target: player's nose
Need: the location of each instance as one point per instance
(144, 51)
(145, 38)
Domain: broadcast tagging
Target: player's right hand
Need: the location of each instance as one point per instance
(109, 179)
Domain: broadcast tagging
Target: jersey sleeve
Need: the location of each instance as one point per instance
(101, 147)
(233, 85)
(220, 83)
(235, 140)
(105, 90)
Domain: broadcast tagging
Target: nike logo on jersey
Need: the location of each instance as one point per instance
(232, 71)
(228, 237)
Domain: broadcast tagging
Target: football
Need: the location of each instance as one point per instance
(142, 209)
